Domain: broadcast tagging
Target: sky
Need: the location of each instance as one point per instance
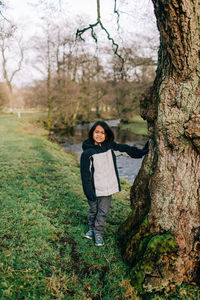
(136, 18)
(138, 14)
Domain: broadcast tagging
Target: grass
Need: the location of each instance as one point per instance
(43, 218)
(136, 125)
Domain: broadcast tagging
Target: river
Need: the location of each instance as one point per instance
(128, 167)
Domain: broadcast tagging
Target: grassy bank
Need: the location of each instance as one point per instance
(136, 125)
(43, 219)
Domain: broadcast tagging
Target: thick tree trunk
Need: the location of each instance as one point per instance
(161, 237)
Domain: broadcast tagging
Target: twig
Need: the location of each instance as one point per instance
(116, 12)
(108, 262)
(2, 4)
(79, 32)
(91, 27)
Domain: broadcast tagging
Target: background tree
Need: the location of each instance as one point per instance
(4, 94)
(63, 64)
(9, 45)
(161, 237)
(138, 74)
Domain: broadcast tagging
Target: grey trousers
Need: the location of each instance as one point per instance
(97, 213)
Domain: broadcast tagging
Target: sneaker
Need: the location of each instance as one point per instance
(99, 240)
(89, 235)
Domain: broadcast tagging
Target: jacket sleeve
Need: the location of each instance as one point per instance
(132, 151)
(86, 177)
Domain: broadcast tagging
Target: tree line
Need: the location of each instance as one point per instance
(77, 84)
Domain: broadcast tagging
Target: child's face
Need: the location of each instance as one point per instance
(99, 135)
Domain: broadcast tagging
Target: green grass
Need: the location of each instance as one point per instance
(43, 219)
(136, 125)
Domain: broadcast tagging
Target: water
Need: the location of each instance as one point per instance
(128, 167)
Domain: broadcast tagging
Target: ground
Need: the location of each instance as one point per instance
(43, 220)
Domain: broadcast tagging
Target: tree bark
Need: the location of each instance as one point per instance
(161, 237)
(5, 39)
(48, 85)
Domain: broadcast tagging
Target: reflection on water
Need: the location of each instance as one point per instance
(127, 166)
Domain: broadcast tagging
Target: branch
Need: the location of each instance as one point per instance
(115, 46)
(2, 4)
(79, 32)
(19, 63)
(4, 62)
(116, 12)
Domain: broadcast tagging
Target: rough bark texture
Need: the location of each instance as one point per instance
(161, 237)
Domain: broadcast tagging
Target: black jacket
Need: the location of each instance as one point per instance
(99, 172)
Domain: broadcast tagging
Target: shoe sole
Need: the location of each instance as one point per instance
(88, 237)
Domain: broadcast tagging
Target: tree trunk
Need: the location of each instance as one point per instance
(161, 237)
(11, 100)
(5, 75)
(49, 91)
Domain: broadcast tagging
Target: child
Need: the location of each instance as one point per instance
(99, 175)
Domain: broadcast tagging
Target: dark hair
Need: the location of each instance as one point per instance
(109, 133)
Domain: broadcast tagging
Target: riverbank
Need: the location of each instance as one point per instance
(136, 125)
(43, 219)
(128, 168)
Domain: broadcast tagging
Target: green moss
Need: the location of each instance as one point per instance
(126, 226)
(134, 240)
(151, 252)
(131, 241)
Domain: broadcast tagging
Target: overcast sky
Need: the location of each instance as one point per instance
(136, 17)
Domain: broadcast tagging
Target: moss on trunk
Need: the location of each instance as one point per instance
(161, 237)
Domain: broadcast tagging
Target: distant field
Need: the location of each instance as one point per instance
(137, 125)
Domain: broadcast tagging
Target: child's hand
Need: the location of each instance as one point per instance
(91, 197)
(145, 149)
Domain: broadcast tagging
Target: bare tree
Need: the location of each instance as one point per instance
(161, 237)
(91, 27)
(134, 64)
(3, 95)
(49, 77)
(46, 51)
(11, 61)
